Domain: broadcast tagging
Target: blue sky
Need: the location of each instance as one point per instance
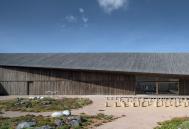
(94, 25)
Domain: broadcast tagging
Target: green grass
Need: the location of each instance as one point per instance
(87, 121)
(43, 105)
(176, 123)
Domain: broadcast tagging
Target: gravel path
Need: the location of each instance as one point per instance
(135, 118)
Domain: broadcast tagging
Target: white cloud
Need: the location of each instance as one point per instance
(80, 20)
(112, 5)
(81, 10)
(85, 19)
(71, 19)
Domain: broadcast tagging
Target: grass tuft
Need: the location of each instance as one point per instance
(175, 123)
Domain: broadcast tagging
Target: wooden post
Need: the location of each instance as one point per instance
(178, 89)
(28, 86)
(157, 88)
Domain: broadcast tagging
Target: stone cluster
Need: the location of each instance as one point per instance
(72, 121)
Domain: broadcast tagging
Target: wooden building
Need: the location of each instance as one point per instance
(94, 73)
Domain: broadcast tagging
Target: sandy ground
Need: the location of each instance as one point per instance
(135, 117)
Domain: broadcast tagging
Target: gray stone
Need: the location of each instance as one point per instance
(74, 123)
(25, 125)
(78, 118)
(46, 127)
(46, 102)
(58, 122)
(32, 123)
(22, 102)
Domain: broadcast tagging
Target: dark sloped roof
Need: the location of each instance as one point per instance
(163, 63)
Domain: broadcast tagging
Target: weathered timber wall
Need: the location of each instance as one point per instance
(37, 81)
(184, 86)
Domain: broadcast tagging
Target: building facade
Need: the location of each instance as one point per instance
(94, 74)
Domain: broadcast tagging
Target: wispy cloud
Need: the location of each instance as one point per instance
(78, 20)
(81, 10)
(71, 19)
(85, 19)
(111, 5)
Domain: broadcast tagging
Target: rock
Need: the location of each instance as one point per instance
(66, 113)
(19, 99)
(46, 127)
(32, 123)
(35, 98)
(41, 97)
(74, 123)
(58, 122)
(57, 114)
(31, 97)
(38, 97)
(46, 102)
(78, 118)
(25, 125)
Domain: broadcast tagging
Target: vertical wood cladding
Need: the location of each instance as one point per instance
(14, 81)
(184, 87)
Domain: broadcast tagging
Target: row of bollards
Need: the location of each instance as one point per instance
(150, 102)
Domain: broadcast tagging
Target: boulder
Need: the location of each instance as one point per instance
(74, 123)
(46, 127)
(57, 114)
(66, 113)
(58, 122)
(46, 102)
(31, 97)
(78, 118)
(41, 97)
(23, 125)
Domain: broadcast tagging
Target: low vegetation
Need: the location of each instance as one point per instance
(87, 121)
(43, 105)
(175, 123)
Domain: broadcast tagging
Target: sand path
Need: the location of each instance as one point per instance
(135, 118)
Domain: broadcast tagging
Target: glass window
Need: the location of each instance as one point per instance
(156, 85)
(168, 87)
(146, 88)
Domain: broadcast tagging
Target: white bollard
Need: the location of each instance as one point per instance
(156, 103)
(177, 103)
(116, 104)
(159, 103)
(123, 104)
(106, 104)
(167, 103)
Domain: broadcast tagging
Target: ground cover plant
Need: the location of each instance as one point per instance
(175, 123)
(87, 121)
(43, 105)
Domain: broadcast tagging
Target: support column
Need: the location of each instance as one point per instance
(178, 88)
(28, 88)
(157, 88)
